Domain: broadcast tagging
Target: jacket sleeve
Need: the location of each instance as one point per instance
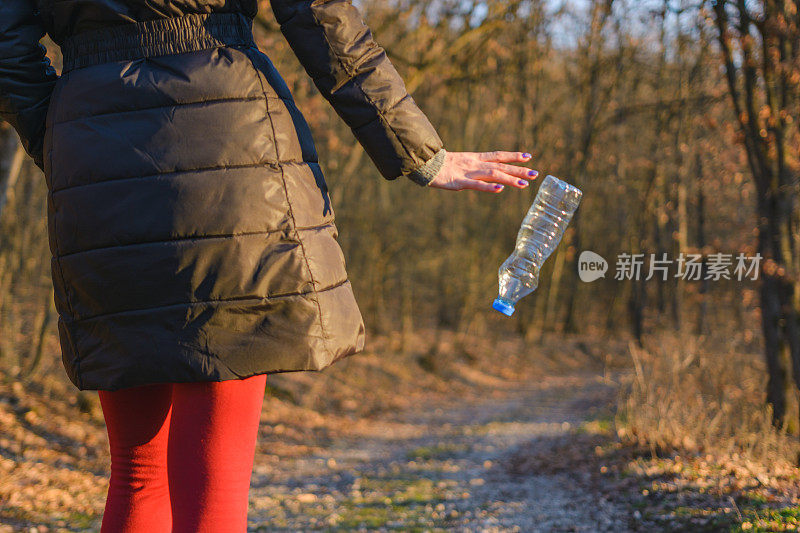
(355, 76)
(26, 76)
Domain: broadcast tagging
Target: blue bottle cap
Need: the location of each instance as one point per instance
(502, 306)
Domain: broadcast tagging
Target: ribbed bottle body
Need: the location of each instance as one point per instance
(538, 236)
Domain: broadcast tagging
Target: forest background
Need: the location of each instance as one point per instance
(678, 119)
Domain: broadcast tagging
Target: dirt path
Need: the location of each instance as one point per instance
(440, 467)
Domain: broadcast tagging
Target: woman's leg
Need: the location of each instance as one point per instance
(212, 440)
(137, 420)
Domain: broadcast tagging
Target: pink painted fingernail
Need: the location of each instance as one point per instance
(523, 183)
(533, 173)
(526, 155)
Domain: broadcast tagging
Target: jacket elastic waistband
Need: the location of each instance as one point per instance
(156, 37)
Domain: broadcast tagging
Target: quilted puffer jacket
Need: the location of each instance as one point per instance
(190, 227)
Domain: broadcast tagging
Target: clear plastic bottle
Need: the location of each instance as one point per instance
(540, 233)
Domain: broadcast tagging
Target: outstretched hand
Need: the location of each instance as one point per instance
(483, 171)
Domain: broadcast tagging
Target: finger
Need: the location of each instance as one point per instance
(481, 186)
(504, 157)
(497, 176)
(520, 172)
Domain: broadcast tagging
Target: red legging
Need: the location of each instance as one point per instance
(181, 455)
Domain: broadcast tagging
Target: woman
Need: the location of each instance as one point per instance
(193, 242)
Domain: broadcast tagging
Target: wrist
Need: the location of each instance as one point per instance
(425, 173)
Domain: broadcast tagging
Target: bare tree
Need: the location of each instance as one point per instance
(760, 44)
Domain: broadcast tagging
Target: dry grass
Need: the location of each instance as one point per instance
(685, 396)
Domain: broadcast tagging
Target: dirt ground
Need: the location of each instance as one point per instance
(435, 461)
(441, 439)
(440, 466)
